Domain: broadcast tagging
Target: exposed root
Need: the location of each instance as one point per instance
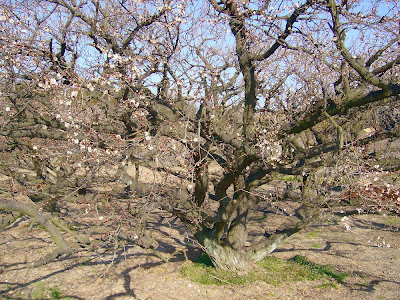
(50, 223)
(51, 256)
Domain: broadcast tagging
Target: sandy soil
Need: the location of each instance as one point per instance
(369, 252)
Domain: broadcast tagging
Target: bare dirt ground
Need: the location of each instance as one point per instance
(369, 252)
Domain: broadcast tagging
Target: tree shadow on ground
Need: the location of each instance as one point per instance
(127, 281)
(170, 243)
(109, 257)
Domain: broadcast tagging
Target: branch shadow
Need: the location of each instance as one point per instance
(369, 286)
(127, 281)
(109, 256)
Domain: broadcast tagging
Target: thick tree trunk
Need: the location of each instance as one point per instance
(230, 253)
(226, 257)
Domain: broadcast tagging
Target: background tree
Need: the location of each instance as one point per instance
(222, 99)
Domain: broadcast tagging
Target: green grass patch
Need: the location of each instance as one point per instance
(290, 178)
(392, 221)
(39, 291)
(317, 245)
(312, 234)
(328, 285)
(271, 270)
(42, 291)
(319, 269)
(55, 292)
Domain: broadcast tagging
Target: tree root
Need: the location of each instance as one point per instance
(82, 239)
(151, 244)
(305, 215)
(51, 256)
(50, 224)
(166, 257)
(8, 218)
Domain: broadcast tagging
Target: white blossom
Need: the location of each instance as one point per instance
(74, 93)
(90, 87)
(346, 220)
(117, 57)
(8, 108)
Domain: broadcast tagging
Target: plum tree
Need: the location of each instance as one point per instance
(220, 98)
